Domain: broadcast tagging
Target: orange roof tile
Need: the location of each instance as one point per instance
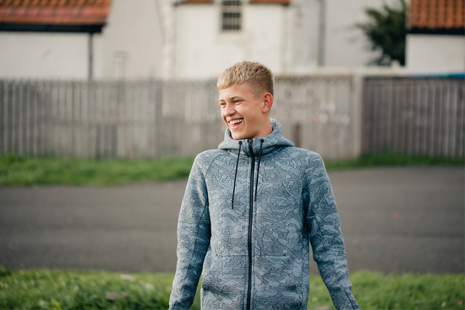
(437, 14)
(54, 12)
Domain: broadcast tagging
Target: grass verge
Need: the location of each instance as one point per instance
(392, 159)
(23, 170)
(59, 289)
(27, 170)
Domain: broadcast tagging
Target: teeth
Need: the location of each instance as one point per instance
(235, 122)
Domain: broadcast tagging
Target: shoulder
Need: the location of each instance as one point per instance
(306, 157)
(311, 163)
(204, 159)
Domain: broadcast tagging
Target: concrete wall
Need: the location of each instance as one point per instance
(435, 53)
(43, 55)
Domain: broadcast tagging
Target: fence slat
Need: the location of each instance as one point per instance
(422, 116)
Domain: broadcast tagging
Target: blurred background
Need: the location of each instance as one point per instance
(136, 80)
(127, 79)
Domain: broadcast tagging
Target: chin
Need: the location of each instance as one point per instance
(237, 137)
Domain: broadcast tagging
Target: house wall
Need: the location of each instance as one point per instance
(435, 53)
(344, 45)
(43, 55)
(284, 38)
(130, 46)
(132, 41)
(202, 50)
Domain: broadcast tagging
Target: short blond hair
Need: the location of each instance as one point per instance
(257, 75)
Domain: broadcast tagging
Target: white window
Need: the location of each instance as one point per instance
(231, 15)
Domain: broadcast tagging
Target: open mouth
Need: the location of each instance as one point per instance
(235, 123)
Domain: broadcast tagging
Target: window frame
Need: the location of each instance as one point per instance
(231, 16)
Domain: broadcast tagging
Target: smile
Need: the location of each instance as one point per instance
(234, 122)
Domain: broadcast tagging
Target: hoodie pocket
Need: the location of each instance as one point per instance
(278, 283)
(223, 279)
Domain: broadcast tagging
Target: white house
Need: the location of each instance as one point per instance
(191, 39)
(290, 36)
(80, 39)
(132, 41)
(212, 35)
(50, 40)
(328, 36)
(436, 40)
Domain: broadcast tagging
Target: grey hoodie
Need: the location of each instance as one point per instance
(249, 211)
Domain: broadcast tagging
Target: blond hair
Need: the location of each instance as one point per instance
(255, 74)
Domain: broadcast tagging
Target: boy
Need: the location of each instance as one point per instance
(250, 209)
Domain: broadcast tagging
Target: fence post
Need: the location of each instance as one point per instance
(356, 114)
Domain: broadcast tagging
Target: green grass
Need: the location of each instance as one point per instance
(60, 289)
(22, 170)
(54, 289)
(392, 159)
(27, 170)
(408, 291)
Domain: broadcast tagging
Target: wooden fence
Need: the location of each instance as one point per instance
(149, 119)
(417, 116)
(153, 118)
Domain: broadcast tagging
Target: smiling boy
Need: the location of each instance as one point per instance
(252, 207)
(243, 111)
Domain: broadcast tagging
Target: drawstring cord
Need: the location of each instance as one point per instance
(258, 167)
(237, 165)
(235, 175)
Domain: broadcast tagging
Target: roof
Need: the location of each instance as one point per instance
(285, 2)
(440, 16)
(34, 15)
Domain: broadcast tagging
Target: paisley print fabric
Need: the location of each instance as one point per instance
(255, 253)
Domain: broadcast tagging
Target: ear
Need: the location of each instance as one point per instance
(267, 102)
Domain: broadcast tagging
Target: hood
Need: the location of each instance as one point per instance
(271, 142)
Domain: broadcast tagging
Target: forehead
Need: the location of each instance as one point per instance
(236, 90)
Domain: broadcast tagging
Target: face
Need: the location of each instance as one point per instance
(245, 115)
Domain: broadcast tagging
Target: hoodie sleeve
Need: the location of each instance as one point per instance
(326, 239)
(193, 239)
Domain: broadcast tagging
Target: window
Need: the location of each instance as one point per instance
(231, 15)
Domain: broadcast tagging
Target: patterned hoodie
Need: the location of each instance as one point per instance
(249, 211)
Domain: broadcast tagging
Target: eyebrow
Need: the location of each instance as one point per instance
(231, 98)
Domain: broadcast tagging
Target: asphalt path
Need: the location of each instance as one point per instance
(394, 220)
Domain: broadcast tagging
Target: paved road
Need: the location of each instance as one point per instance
(393, 219)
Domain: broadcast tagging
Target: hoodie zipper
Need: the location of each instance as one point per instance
(249, 240)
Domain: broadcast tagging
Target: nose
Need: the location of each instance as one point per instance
(229, 109)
